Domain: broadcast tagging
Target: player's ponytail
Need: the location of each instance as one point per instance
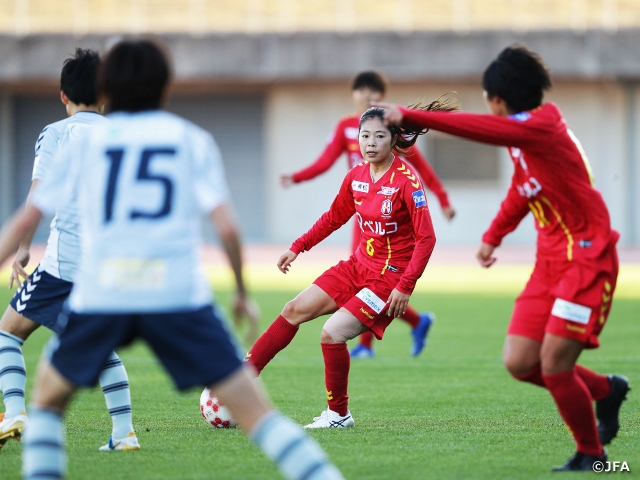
(406, 136)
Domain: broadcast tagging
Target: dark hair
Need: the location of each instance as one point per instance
(78, 77)
(406, 135)
(519, 77)
(134, 75)
(370, 79)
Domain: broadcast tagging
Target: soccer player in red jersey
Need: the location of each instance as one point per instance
(373, 286)
(367, 87)
(567, 300)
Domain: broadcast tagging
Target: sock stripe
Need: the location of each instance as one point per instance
(13, 369)
(10, 350)
(46, 444)
(116, 362)
(288, 449)
(11, 337)
(120, 410)
(114, 387)
(45, 475)
(312, 469)
(13, 393)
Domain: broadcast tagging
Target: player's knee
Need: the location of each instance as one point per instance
(516, 365)
(295, 313)
(325, 337)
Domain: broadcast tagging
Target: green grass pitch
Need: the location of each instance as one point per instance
(452, 413)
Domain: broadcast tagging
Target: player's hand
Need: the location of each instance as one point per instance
(485, 255)
(17, 268)
(448, 213)
(285, 260)
(393, 115)
(246, 308)
(286, 180)
(398, 303)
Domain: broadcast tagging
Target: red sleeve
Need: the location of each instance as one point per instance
(333, 150)
(428, 175)
(425, 240)
(481, 128)
(512, 210)
(341, 210)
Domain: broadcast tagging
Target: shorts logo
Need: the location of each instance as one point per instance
(387, 191)
(367, 314)
(387, 206)
(371, 299)
(571, 311)
(359, 186)
(419, 198)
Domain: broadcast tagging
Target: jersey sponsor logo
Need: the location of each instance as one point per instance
(386, 208)
(387, 190)
(571, 311)
(133, 273)
(521, 117)
(351, 133)
(371, 299)
(376, 227)
(419, 199)
(584, 244)
(359, 186)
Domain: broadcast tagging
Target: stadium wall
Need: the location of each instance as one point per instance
(272, 101)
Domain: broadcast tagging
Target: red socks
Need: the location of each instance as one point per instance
(366, 339)
(573, 400)
(411, 317)
(278, 336)
(597, 384)
(336, 375)
(534, 376)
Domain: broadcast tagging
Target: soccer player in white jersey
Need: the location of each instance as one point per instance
(40, 298)
(145, 179)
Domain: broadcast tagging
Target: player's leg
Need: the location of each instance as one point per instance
(181, 344)
(43, 453)
(558, 358)
(117, 394)
(420, 324)
(309, 304)
(364, 348)
(14, 330)
(338, 329)
(284, 442)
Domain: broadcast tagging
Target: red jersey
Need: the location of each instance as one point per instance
(395, 224)
(552, 179)
(345, 139)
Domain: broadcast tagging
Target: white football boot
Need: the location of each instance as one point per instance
(12, 427)
(130, 442)
(330, 419)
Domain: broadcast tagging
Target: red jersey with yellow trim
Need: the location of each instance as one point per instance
(552, 179)
(345, 139)
(396, 230)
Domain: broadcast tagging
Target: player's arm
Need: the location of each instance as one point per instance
(431, 180)
(483, 128)
(512, 210)
(13, 232)
(21, 260)
(341, 210)
(331, 153)
(425, 241)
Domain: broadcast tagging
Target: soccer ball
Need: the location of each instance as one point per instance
(214, 413)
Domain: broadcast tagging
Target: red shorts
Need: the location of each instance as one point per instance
(361, 291)
(567, 299)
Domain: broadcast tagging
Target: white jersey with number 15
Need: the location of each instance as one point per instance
(142, 182)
